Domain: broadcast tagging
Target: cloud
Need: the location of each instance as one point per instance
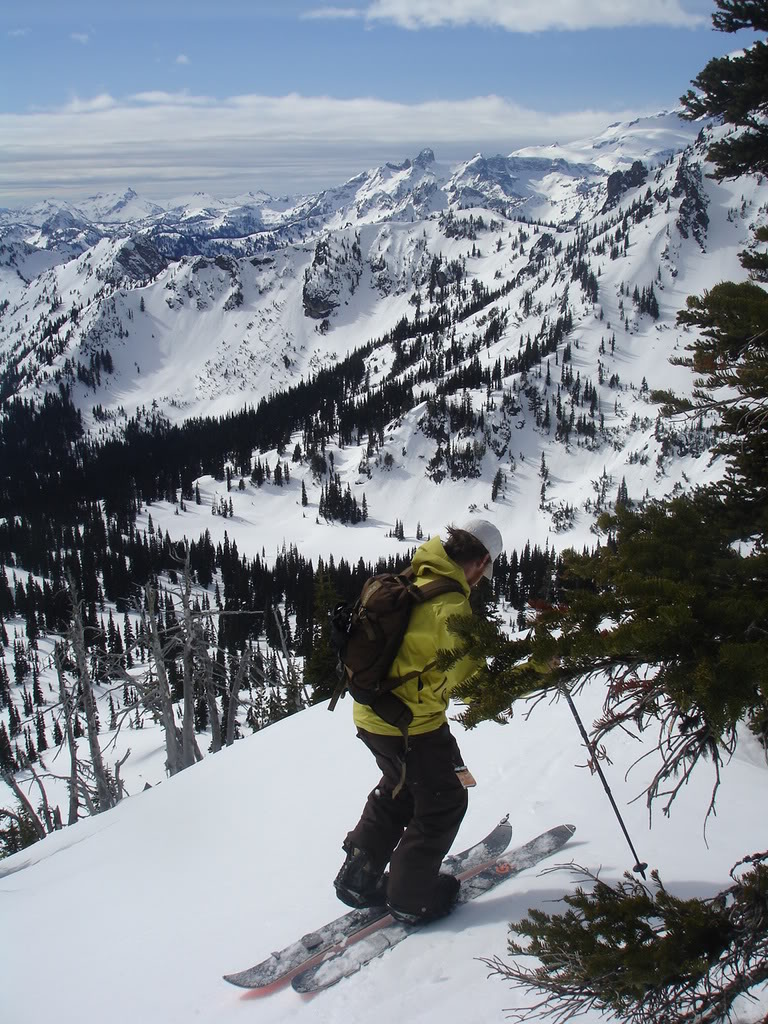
(533, 15)
(77, 106)
(80, 37)
(183, 59)
(163, 143)
(159, 98)
(332, 13)
(16, 33)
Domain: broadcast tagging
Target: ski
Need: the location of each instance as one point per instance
(279, 968)
(385, 933)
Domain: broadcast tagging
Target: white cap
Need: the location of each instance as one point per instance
(489, 537)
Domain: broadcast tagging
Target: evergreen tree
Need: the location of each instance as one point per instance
(642, 954)
(17, 831)
(320, 669)
(14, 720)
(7, 761)
(42, 740)
(735, 88)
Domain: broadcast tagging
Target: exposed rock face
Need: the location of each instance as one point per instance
(622, 181)
(320, 293)
(692, 218)
(139, 260)
(336, 270)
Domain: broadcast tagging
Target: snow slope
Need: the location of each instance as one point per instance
(651, 139)
(136, 914)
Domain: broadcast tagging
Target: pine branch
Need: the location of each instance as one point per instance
(646, 957)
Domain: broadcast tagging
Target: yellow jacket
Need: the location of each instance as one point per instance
(427, 695)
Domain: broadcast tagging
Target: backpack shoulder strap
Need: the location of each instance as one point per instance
(443, 585)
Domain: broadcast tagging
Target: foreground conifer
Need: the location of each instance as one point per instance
(643, 954)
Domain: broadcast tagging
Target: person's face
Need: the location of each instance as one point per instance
(474, 570)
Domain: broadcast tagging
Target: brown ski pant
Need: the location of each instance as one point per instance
(414, 830)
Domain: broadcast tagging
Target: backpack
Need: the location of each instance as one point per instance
(367, 636)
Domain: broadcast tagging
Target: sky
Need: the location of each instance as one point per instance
(176, 96)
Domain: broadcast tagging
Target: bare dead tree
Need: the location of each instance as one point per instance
(188, 642)
(48, 817)
(234, 696)
(68, 707)
(106, 794)
(287, 669)
(174, 754)
(198, 668)
(119, 784)
(206, 676)
(92, 785)
(23, 799)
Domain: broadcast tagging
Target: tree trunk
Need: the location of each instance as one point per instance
(188, 663)
(21, 796)
(173, 752)
(47, 815)
(210, 694)
(67, 705)
(105, 796)
(234, 700)
(293, 700)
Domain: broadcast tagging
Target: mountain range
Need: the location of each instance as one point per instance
(523, 183)
(204, 306)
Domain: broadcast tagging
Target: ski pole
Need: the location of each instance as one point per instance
(640, 866)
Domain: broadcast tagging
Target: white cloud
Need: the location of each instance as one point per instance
(157, 97)
(163, 143)
(333, 13)
(77, 106)
(183, 59)
(80, 37)
(16, 33)
(533, 15)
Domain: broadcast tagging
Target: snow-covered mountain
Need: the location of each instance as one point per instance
(413, 188)
(604, 223)
(651, 139)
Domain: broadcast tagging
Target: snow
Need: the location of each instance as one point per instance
(143, 908)
(651, 139)
(210, 340)
(136, 913)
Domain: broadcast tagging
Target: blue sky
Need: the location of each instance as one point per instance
(175, 96)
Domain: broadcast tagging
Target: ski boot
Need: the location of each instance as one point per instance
(440, 903)
(359, 883)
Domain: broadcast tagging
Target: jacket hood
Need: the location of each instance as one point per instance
(431, 560)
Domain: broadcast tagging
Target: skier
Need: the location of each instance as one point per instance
(412, 823)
